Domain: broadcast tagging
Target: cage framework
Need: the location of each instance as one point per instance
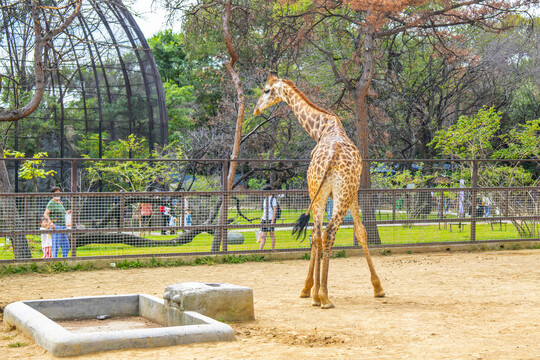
(101, 80)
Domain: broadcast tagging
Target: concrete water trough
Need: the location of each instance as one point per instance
(42, 319)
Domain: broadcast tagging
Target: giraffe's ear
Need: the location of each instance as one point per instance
(272, 77)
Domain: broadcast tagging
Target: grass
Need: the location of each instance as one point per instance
(59, 267)
(390, 235)
(17, 344)
(51, 268)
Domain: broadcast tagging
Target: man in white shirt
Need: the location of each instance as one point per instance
(268, 218)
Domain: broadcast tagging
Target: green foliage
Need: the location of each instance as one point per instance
(340, 254)
(131, 175)
(522, 142)
(190, 74)
(17, 344)
(400, 179)
(471, 137)
(256, 184)
(179, 109)
(170, 57)
(525, 103)
(32, 169)
(50, 268)
(205, 260)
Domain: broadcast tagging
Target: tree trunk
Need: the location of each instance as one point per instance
(362, 137)
(133, 240)
(220, 236)
(10, 215)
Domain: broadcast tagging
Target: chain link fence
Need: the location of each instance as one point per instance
(184, 210)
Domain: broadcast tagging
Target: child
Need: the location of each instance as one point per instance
(188, 218)
(46, 240)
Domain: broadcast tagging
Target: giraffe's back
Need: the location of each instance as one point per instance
(336, 161)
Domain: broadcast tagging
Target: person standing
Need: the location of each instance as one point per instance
(55, 213)
(46, 240)
(159, 185)
(486, 200)
(268, 218)
(146, 217)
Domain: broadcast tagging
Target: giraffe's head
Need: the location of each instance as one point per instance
(271, 95)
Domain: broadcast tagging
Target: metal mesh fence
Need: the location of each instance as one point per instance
(209, 220)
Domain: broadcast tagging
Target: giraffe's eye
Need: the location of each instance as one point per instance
(267, 91)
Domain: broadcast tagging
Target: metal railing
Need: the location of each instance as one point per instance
(119, 224)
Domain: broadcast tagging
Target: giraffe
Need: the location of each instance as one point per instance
(334, 170)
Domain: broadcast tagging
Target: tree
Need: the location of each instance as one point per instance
(474, 138)
(32, 169)
(362, 26)
(199, 10)
(42, 39)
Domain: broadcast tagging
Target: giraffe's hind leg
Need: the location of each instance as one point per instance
(313, 276)
(328, 238)
(361, 235)
(308, 283)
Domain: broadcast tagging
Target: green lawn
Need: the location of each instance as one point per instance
(397, 234)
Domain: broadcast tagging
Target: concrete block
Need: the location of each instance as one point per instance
(35, 318)
(219, 301)
(235, 238)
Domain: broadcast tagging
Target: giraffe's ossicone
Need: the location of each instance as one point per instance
(334, 170)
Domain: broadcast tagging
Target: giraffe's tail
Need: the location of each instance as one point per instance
(303, 221)
(301, 225)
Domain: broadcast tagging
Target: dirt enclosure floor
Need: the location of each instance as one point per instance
(481, 305)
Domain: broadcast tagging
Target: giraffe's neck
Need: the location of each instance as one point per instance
(314, 120)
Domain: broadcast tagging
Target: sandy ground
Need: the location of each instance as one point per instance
(438, 306)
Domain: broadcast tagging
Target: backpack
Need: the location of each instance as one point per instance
(278, 208)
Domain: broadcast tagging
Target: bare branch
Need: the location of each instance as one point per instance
(41, 42)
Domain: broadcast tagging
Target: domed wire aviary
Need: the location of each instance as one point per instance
(100, 79)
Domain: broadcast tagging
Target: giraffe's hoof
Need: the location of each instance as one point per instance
(327, 306)
(380, 293)
(316, 303)
(305, 294)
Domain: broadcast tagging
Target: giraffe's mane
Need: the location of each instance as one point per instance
(304, 97)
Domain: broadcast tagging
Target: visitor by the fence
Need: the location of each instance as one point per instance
(268, 219)
(146, 217)
(461, 199)
(159, 185)
(329, 208)
(479, 208)
(486, 201)
(172, 219)
(46, 240)
(165, 217)
(55, 213)
(188, 218)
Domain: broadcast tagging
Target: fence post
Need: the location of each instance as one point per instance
(507, 205)
(26, 215)
(441, 209)
(394, 204)
(73, 207)
(225, 205)
(474, 194)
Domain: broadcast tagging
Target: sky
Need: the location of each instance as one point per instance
(151, 18)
